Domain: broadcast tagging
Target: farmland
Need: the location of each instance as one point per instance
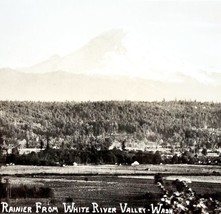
(146, 169)
(107, 190)
(109, 185)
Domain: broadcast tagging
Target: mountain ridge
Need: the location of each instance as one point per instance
(88, 57)
(62, 86)
(101, 70)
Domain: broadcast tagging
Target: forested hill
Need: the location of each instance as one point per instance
(75, 124)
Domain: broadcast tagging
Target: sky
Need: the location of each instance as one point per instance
(165, 36)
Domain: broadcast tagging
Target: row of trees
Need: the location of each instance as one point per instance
(54, 157)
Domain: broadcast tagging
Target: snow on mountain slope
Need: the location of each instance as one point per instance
(111, 66)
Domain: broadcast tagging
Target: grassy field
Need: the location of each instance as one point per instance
(109, 185)
(104, 190)
(170, 169)
(107, 191)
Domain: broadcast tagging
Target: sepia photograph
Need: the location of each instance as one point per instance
(110, 106)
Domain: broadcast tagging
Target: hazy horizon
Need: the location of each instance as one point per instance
(148, 42)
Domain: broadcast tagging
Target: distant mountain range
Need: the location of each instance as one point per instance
(86, 75)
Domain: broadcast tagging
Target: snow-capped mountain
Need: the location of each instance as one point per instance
(111, 66)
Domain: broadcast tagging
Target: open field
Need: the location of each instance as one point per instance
(168, 169)
(109, 185)
(107, 191)
(104, 190)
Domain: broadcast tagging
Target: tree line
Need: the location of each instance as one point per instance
(61, 157)
(77, 125)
